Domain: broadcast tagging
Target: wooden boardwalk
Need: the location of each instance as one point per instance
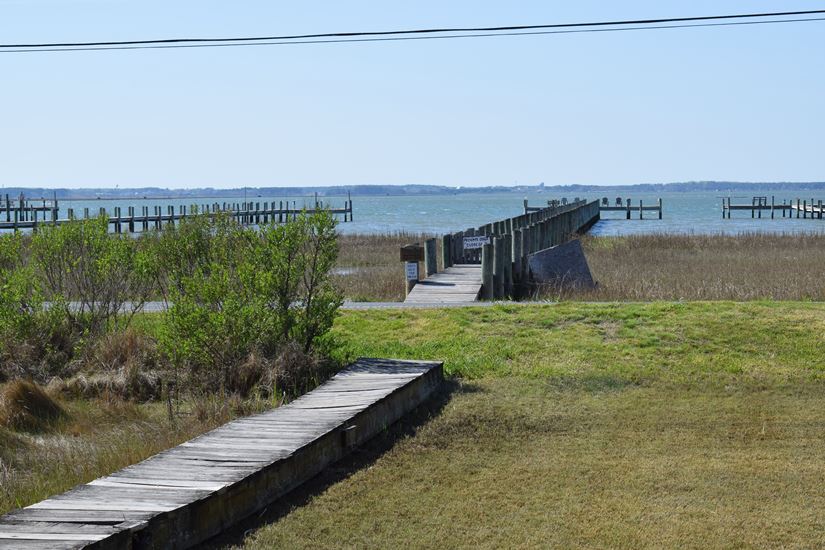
(457, 284)
(187, 494)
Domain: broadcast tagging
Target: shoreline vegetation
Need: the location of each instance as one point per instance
(84, 395)
(750, 266)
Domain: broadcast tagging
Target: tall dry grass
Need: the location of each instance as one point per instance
(752, 266)
(92, 438)
(369, 268)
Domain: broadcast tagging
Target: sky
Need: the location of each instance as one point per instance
(728, 103)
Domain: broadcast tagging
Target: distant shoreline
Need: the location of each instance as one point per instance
(157, 193)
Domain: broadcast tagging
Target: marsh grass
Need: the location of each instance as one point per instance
(751, 266)
(369, 268)
(94, 437)
(755, 266)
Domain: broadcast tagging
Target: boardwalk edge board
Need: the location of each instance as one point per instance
(176, 499)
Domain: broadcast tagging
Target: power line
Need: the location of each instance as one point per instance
(417, 34)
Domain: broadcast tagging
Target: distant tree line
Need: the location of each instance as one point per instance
(403, 190)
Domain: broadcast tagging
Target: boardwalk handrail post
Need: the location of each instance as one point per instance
(446, 249)
(507, 259)
(498, 267)
(487, 272)
(430, 257)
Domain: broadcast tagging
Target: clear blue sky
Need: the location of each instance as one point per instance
(730, 103)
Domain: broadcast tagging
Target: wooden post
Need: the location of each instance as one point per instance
(797, 208)
(430, 257)
(498, 267)
(627, 203)
(518, 252)
(641, 210)
(507, 254)
(804, 209)
(487, 290)
(660, 208)
(773, 205)
(446, 251)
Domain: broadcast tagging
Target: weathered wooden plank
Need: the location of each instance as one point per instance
(90, 517)
(18, 544)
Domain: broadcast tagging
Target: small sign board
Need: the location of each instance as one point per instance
(476, 242)
(412, 271)
(412, 253)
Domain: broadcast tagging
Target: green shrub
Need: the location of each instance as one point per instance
(246, 291)
(19, 296)
(91, 276)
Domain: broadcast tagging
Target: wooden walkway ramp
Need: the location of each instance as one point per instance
(456, 284)
(187, 494)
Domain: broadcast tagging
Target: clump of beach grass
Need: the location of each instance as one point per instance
(25, 406)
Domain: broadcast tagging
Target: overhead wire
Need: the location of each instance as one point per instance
(421, 34)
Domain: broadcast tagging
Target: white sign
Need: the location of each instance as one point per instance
(475, 242)
(412, 271)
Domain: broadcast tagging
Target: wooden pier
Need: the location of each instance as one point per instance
(25, 210)
(627, 207)
(795, 208)
(188, 494)
(15, 217)
(621, 205)
(490, 262)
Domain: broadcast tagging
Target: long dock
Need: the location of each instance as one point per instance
(188, 494)
(491, 261)
(625, 206)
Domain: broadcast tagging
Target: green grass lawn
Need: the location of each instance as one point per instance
(616, 425)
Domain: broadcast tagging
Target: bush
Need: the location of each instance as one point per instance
(90, 276)
(31, 338)
(240, 300)
(19, 298)
(247, 292)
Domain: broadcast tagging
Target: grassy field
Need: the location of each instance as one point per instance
(643, 267)
(615, 425)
